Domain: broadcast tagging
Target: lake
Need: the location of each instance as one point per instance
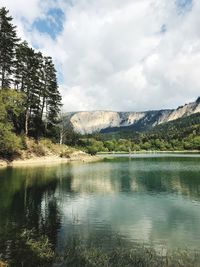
(147, 199)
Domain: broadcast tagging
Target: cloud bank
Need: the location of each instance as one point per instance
(117, 55)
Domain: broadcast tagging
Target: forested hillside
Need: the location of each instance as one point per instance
(181, 134)
(29, 97)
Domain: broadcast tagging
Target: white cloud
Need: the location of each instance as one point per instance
(121, 55)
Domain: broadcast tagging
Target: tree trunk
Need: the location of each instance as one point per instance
(42, 110)
(26, 121)
(2, 79)
(61, 137)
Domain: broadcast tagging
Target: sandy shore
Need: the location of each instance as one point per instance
(50, 160)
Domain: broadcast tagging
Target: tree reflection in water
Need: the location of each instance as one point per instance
(97, 205)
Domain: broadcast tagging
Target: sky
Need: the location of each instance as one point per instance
(123, 55)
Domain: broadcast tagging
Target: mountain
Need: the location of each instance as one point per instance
(177, 135)
(107, 121)
(181, 128)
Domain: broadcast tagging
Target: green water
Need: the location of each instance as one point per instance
(147, 199)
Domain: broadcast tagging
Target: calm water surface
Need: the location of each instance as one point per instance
(148, 199)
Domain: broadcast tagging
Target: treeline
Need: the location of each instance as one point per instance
(178, 135)
(29, 96)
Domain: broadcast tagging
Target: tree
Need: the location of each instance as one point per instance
(52, 98)
(8, 43)
(110, 145)
(11, 106)
(27, 80)
(32, 74)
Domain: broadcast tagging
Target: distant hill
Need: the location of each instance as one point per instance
(179, 135)
(179, 128)
(176, 129)
(110, 121)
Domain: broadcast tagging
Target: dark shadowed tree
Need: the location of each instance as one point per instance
(8, 43)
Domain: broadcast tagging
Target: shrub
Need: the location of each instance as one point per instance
(35, 148)
(10, 144)
(39, 150)
(65, 154)
(92, 150)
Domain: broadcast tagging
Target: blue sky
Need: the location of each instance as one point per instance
(184, 4)
(51, 24)
(114, 54)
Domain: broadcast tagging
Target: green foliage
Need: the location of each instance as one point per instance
(8, 42)
(92, 150)
(32, 107)
(35, 75)
(178, 135)
(10, 109)
(66, 133)
(11, 104)
(110, 145)
(66, 152)
(10, 144)
(92, 146)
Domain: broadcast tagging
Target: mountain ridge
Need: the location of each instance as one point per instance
(88, 122)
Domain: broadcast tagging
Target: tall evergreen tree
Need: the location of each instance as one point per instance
(53, 94)
(53, 97)
(8, 42)
(34, 76)
(27, 80)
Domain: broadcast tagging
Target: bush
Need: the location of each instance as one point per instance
(39, 150)
(35, 148)
(10, 144)
(47, 143)
(196, 143)
(92, 150)
(66, 153)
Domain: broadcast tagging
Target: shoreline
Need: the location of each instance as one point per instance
(78, 156)
(49, 160)
(150, 152)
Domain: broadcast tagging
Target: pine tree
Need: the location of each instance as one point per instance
(8, 43)
(52, 95)
(32, 74)
(27, 81)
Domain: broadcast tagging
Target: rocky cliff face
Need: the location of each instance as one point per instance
(96, 121)
(186, 110)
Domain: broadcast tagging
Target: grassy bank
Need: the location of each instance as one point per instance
(44, 151)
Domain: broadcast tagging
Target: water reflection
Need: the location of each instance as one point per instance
(123, 175)
(152, 200)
